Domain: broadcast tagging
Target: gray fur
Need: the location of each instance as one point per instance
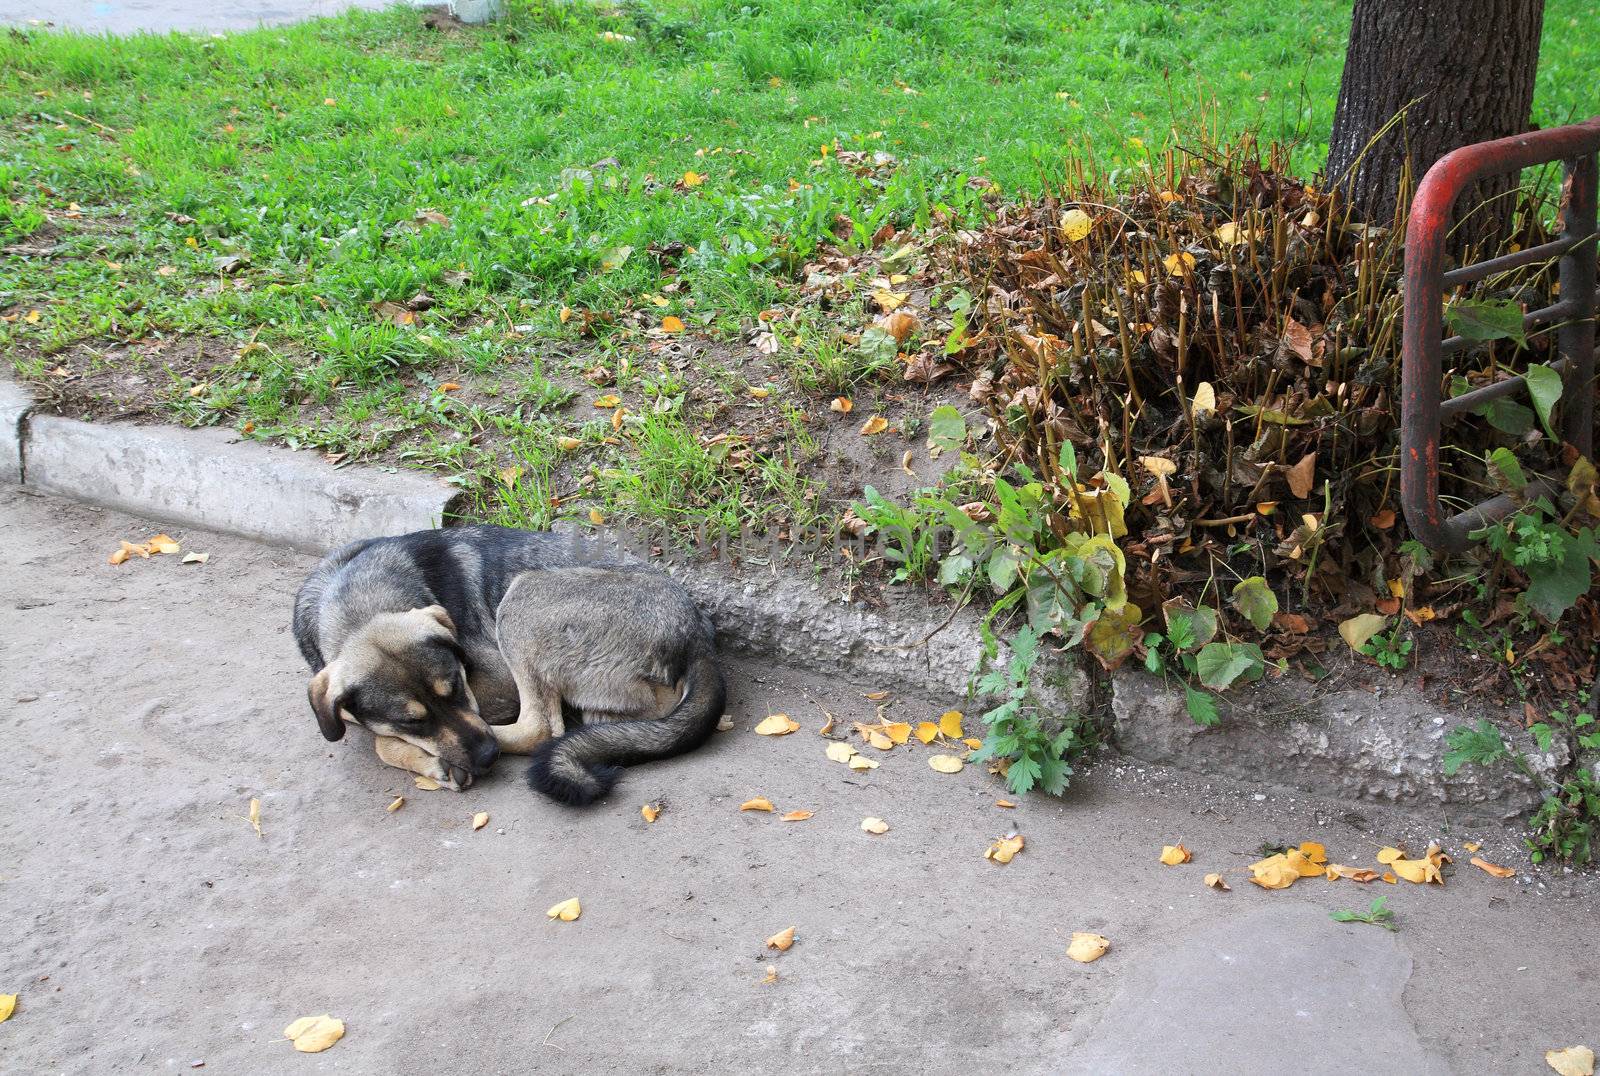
(541, 632)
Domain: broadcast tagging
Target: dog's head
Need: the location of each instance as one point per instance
(402, 675)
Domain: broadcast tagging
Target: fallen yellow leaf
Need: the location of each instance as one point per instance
(693, 179)
(609, 400)
(927, 731)
(876, 696)
(839, 751)
(314, 1034)
(1573, 1061)
(781, 940)
(1471, 846)
(879, 740)
(427, 784)
(1215, 882)
(568, 443)
(1485, 865)
(1004, 803)
(1389, 877)
(1180, 262)
(650, 812)
(946, 763)
(827, 726)
(1389, 855)
(1174, 854)
(897, 731)
(672, 324)
(255, 816)
(1363, 875)
(887, 300)
(777, 725)
(1274, 872)
(480, 820)
(8, 1005)
(162, 543)
(1076, 224)
(950, 724)
(874, 425)
(596, 517)
(772, 975)
(1315, 852)
(1204, 401)
(862, 762)
(794, 816)
(399, 802)
(841, 404)
(874, 825)
(1086, 948)
(760, 803)
(1004, 849)
(1359, 629)
(972, 743)
(1303, 864)
(566, 911)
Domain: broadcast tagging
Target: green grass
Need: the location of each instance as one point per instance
(312, 149)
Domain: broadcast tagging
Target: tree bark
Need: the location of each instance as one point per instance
(1461, 71)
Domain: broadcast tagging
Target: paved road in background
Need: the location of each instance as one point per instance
(146, 926)
(131, 16)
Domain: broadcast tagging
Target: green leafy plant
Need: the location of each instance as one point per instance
(1388, 649)
(1567, 825)
(1558, 560)
(909, 540)
(1378, 914)
(1481, 746)
(1036, 758)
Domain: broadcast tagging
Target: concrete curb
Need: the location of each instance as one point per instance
(1384, 744)
(15, 404)
(1350, 744)
(210, 479)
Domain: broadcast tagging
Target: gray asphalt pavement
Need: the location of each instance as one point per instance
(146, 927)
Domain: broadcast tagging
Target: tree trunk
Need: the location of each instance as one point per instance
(1461, 71)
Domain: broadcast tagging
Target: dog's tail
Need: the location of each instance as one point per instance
(583, 765)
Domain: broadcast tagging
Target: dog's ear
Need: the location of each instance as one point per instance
(438, 613)
(327, 709)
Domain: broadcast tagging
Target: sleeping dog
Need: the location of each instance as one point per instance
(452, 646)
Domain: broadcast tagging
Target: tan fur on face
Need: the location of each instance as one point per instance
(416, 709)
(442, 687)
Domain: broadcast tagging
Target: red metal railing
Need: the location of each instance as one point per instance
(1422, 411)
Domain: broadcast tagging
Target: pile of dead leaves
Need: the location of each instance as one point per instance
(1224, 336)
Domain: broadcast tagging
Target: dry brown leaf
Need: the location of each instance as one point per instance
(399, 802)
(1471, 846)
(874, 825)
(1389, 877)
(1005, 849)
(1360, 628)
(480, 820)
(899, 325)
(1215, 881)
(566, 911)
(1086, 948)
(794, 816)
(875, 696)
(1382, 519)
(945, 763)
(1174, 854)
(781, 940)
(1497, 871)
(650, 812)
(1302, 476)
(842, 404)
(314, 1034)
(760, 803)
(1573, 1061)
(568, 444)
(777, 725)
(874, 425)
(1004, 803)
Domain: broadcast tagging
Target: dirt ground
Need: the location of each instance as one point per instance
(147, 928)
